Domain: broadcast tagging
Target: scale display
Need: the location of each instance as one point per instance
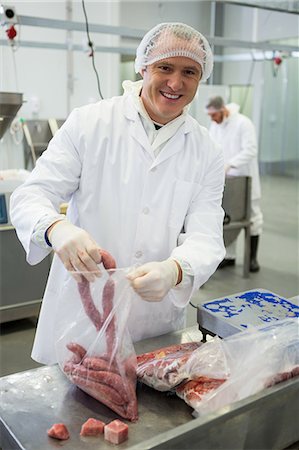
(231, 314)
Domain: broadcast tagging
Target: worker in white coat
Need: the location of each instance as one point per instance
(142, 180)
(236, 134)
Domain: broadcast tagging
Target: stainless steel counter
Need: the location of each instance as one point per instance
(22, 285)
(32, 401)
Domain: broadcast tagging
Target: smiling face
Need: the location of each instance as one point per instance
(168, 86)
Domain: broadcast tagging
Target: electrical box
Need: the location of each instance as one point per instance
(8, 15)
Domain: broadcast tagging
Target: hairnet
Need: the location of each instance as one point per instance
(215, 103)
(167, 40)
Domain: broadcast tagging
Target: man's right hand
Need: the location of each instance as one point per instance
(76, 249)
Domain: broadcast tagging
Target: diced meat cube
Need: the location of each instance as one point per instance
(92, 427)
(59, 431)
(116, 432)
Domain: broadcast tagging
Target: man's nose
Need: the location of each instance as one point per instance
(175, 81)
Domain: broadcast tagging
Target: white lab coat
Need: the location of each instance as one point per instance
(236, 135)
(138, 207)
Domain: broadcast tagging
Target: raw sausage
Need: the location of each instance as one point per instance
(88, 303)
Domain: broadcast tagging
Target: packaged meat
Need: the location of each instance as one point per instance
(93, 344)
(192, 391)
(163, 369)
(59, 431)
(92, 427)
(230, 369)
(116, 432)
(282, 376)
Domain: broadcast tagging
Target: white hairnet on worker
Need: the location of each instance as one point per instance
(168, 40)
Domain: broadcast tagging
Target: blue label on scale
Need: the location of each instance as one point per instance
(252, 308)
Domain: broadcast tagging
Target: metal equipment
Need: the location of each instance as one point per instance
(22, 285)
(38, 134)
(237, 204)
(10, 103)
(232, 314)
(33, 401)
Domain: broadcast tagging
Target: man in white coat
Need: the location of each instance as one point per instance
(236, 134)
(142, 180)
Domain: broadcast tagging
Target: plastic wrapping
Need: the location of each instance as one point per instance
(224, 371)
(163, 369)
(93, 345)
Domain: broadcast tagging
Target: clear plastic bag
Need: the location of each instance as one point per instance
(93, 345)
(224, 371)
(163, 369)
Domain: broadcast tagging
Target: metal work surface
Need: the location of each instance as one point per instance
(231, 314)
(32, 401)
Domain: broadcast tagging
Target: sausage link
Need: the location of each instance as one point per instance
(88, 304)
(94, 389)
(77, 349)
(107, 260)
(109, 378)
(97, 363)
(107, 301)
(101, 392)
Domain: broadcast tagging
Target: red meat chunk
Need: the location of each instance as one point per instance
(116, 432)
(92, 427)
(59, 431)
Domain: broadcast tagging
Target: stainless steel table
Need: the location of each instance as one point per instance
(32, 401)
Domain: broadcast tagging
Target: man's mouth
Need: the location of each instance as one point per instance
(170, 96)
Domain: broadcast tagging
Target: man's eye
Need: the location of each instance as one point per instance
(190, 72)
(165, 68)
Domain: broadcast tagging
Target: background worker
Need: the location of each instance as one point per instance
(236, 134)
(142, 179)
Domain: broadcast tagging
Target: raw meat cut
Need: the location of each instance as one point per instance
(163, 369)
(192, 391)
(59, 431)
(116, 432)
(92, 427)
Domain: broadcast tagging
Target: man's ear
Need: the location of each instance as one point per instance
(142, 71)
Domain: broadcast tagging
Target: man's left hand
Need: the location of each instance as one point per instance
(153, 280)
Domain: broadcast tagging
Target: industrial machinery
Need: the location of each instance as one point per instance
(10, 103)
(22, 285)
(38, 134)
(237, 206)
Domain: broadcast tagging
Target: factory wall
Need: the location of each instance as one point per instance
(274, 88)
(52, 81)
(56, 81)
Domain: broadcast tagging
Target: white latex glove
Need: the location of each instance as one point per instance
(153, 280)
(76, 249)
(227, 168)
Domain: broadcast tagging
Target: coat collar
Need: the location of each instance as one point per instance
(136, 129)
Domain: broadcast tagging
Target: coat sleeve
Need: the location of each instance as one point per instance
(248, 145)
(52, 182)
(201, 242)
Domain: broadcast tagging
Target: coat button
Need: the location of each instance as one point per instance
(145, 210)
(138, 254)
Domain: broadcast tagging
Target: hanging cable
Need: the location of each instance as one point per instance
(194, 306)
(90, 43)
(15, 68)
(248, 84)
